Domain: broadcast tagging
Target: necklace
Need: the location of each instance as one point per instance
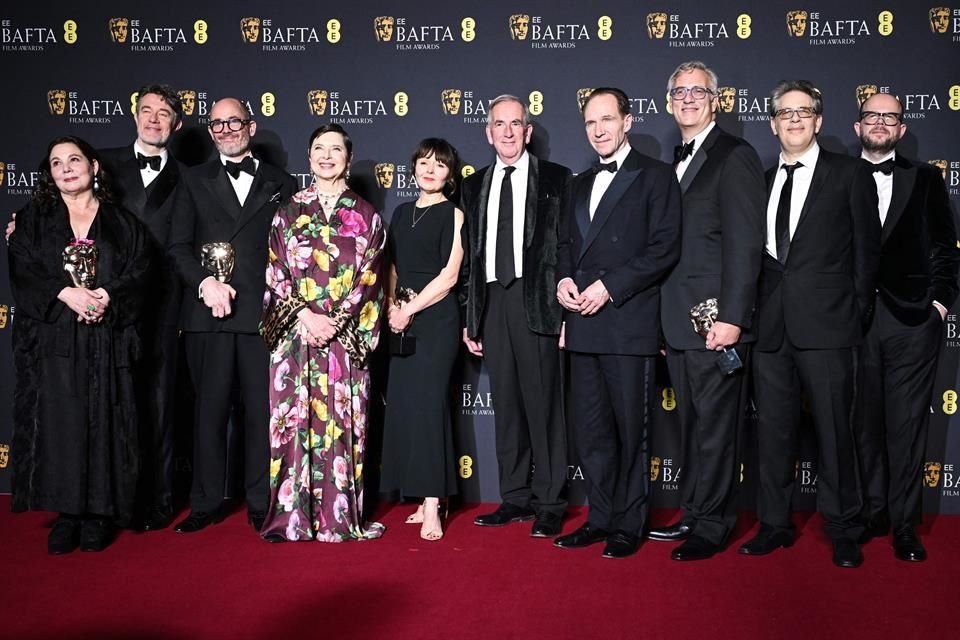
(327, 200)
(416, 219)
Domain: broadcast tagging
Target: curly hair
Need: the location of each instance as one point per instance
(46, 191)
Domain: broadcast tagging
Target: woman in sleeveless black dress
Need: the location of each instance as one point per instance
(426, 248)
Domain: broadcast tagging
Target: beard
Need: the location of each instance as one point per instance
(879, 146)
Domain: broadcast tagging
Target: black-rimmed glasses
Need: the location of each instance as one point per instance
(698, 93)
(889, 119)
(800, 112)
(233, 124)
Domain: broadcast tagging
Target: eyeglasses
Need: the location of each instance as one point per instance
(889, 119)
(698, 93)
(802, 112)
(233, 124)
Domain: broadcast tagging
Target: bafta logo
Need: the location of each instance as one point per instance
(727, 98)
(797, 23)
(519, 26)
(4, 455)
(582, 95)
(188, 100)
(250, 29)
(451, 101)
(654, 468)
(383, 27)
(939, 19)
(384, 172)
(57, 101)
(4, 314)
(656, 25)
(931, 474)
(865, 92)
(942, 165)
(317, 102)
(119, 28)
(3, 169)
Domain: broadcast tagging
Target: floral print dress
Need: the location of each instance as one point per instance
(319, 395)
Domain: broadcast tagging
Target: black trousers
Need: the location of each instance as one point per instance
(611, 399)
(827, 379)
(711, 407)
(898, 367)
(218, 363)
(525, 379)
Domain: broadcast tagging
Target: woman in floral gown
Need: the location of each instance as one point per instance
(325, 250)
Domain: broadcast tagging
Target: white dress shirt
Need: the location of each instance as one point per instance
(884, 185)
(604, 178)
(147, 174)
(697, 143)
(801, 186)
(518, 184)
(243, 182)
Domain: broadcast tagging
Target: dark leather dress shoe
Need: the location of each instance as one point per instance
(695, 548)
(64, 536)
(674, 532)
(158, 519)
(847, 554)
(875, 527)
(766, 541)
(96, 534)
(505, 514)
(907, 546)
(547, 525)
(198, 520)
(256, 519)
(582, 537)
(621, 544)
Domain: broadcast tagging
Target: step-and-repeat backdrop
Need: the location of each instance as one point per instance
(394, 72)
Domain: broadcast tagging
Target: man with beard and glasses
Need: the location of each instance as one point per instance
(898, 361)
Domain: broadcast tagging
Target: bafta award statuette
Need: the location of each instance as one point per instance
(703, 315)
(218, 258)
(80, 262)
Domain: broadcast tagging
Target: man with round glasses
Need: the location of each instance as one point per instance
(918, 283)
(819, 270)
(724, 197)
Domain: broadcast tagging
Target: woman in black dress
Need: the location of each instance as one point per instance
(78, 270)
(426, 247)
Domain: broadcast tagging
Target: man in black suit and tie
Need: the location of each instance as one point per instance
(230, 199)
(815, 300)
(619, 239)
(145, 177)
(724, 201)
(918, 283)
(513, 318)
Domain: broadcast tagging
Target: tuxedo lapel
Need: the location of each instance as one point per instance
(530, 210)
(581, 209)
(699, 159)
(904, 177)
(220, 187)
(479, 246)
(132, 184)
(162, 186)
(261, 191)
(820, 174)
(621, 182)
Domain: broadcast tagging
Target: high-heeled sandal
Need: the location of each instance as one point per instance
(416, 517)
(443, 510)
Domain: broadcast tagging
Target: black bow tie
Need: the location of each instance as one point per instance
(247, 165)
(682, 152)
(885, 167)
(605, 166)
(148, 161)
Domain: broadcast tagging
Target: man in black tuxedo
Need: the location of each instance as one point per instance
(146, 178)
(512, 317)
(918, 283)
(724, 201)
(231, 198)
(815, 300)
(619, 239)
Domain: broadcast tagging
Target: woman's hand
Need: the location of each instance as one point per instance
(88, 305)
(316, 329)
(399, 318)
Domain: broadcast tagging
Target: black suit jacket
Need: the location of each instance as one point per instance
(546, 196)
(822, 298)
(919, 255)
(724, 207)
(208, 211)
(631, 244)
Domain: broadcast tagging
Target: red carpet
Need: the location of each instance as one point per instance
(224, 582)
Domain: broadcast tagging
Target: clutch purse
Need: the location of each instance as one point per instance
(280, 317)
(400, 343)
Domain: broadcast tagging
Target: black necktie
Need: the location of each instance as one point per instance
(605, 166)
(783, 213)
(504, 266)
(885, 167)
(148, 161)
(247, 165)
(682, 152)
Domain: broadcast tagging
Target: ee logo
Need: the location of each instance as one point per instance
(133, 101)
(669, 399)
(885, 26)
(954, 94)
(70, 32)
(466, 467)
(949, 402)
(400, 103)
(605, 27)
(467, 171)
(268, 104)
(200, 32)
(743, 26)
(468, 29)
(536, 103)
(333, 31)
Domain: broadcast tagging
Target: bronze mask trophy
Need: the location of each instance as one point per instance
(703, 315)
(80, 263)
(219, 259)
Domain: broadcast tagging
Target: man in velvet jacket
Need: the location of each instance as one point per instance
(619, 239)
(817, 285)
(918, 283)
(512, 317)
(231, 198)
(146, 177)
(724, 201)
